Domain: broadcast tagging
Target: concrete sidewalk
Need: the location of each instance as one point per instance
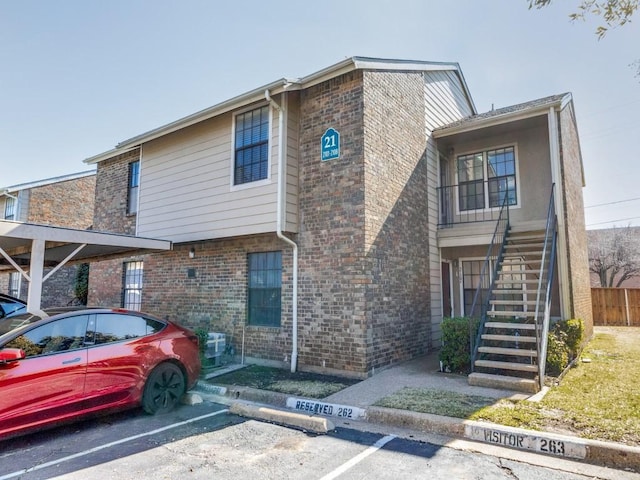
(356, 404)
(423, 372)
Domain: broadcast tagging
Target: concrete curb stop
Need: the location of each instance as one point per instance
(272, 407)
(308, 423)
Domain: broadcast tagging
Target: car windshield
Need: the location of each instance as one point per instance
(11, 324)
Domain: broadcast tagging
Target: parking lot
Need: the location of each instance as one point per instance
(205, 441)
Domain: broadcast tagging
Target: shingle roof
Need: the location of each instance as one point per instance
(505, 111)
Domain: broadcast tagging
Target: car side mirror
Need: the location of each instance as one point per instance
(8, 355)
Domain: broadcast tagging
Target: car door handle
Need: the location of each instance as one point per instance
(73, 360)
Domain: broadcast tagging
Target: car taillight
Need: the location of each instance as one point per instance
(195, 340)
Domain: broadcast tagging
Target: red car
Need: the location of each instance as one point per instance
(77, 362)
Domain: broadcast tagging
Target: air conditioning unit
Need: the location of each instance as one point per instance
(216, 344)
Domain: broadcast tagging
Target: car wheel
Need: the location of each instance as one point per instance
(164, 388)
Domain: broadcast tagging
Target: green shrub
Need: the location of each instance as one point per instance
(574, 330)
(557, 353)
(203, 336)
(455, 353)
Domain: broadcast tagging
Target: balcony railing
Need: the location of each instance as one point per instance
(472, 202)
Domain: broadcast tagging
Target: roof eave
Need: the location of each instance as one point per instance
(502, 119)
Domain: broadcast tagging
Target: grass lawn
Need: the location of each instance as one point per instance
(598, 400)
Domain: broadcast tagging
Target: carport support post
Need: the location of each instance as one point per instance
(36, 273)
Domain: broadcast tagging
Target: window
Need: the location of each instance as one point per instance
(265, 288)
(471, 275)
(14, 284)
(117, 327)
(251, 146)
(486, 178)
(53, 337)
(132, 292)
(9, 208)
(134, 184)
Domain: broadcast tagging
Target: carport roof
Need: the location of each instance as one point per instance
(16, 240)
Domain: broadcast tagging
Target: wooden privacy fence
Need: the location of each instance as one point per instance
(616, 306)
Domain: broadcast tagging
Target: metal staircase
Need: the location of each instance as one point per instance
(510, 347)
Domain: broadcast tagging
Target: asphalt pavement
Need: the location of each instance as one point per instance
(356, 404)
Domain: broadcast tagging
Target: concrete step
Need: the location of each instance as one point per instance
(511, 246)
(503, 281)
(518, 263)
(515, 302)
(505, 291)
(528, 253)
(526, 236)
(520, 367)
(503, 382)
(516, 352)
(510, 325)
(522, 271)
(508, 338)
(508, 313)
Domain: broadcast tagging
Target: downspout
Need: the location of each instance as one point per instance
(294, 246)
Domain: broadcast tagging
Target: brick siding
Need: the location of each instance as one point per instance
(577, 245)
(68, 203)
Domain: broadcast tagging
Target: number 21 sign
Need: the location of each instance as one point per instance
(330, 145)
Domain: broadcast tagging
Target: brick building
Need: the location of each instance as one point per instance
(329, 223)
(65, 201)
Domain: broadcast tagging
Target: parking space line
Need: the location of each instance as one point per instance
(110, 444)
(358, 458)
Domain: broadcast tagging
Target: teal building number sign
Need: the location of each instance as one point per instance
(330, 145)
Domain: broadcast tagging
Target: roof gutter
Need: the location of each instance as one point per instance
(281, 235)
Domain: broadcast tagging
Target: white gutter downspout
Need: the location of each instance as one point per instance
(563, 253)
(294, 246)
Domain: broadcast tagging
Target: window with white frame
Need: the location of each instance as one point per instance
(251, 143)
(134, 184)
(486, 179)
(132, 288)
(9, 208)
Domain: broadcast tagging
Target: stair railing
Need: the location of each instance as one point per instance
(546, 265)
(488, 278)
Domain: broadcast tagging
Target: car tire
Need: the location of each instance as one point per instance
(164, 389)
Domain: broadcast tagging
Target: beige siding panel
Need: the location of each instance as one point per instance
(186, 192)
(445, 102)
(445, 99)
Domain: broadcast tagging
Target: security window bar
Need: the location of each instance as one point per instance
(265, 289)
(251, 146)
(498, 167)
(9, 208)
(14, 284)
(132, 288)
(134, 184)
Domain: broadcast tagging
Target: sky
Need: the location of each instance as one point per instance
(79, 76)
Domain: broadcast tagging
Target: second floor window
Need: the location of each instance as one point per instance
(134, 184)
(251, 146)
(9, 208)
(486, 179)
(132, 291)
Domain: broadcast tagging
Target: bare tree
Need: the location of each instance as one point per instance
(614, 254)
(615, 13)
